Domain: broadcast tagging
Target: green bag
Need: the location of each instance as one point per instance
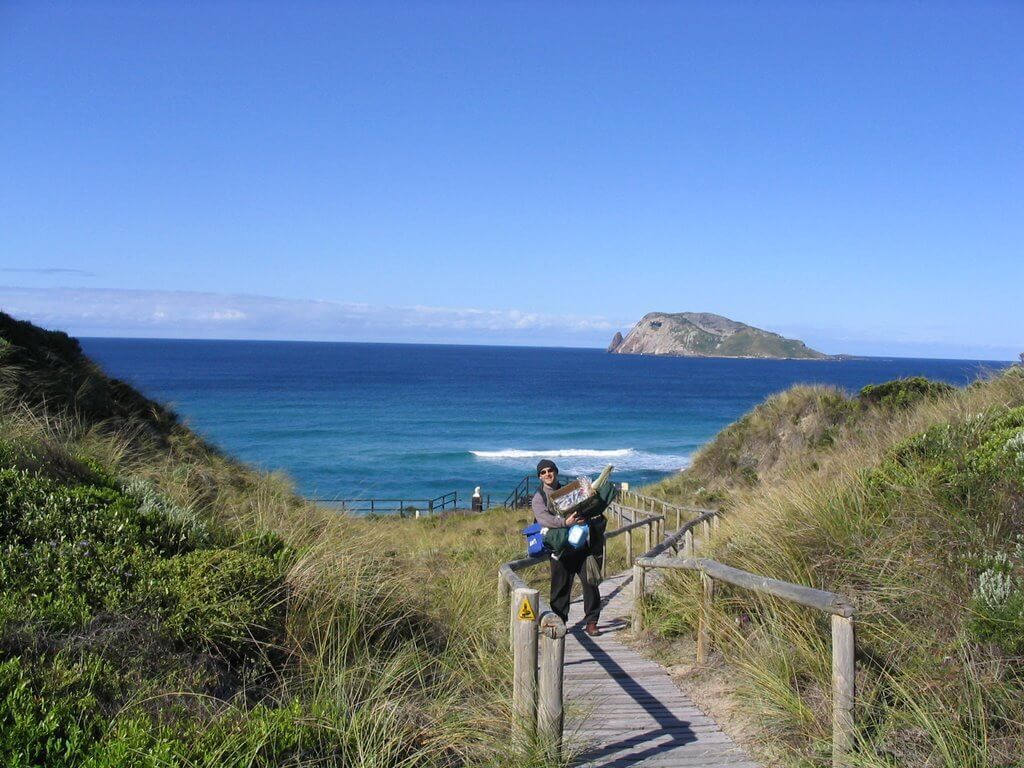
(556, 539)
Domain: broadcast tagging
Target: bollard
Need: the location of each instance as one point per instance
(524, 670)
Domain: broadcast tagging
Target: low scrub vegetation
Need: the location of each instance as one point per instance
(907, 498)
(163, 605)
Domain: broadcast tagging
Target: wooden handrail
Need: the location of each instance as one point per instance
(839, 606)
(632, 526)
(537, 702)
(829, 602)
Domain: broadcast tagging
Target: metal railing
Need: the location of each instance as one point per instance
(401, 507)
(522, 493)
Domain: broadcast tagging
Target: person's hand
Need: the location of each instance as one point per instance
(572, 519)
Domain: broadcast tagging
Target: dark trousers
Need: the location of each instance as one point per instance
(563, 570)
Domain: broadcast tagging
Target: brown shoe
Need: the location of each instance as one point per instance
(592, 630)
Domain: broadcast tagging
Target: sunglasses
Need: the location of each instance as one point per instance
(547, 472)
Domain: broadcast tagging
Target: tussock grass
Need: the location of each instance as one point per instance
(912, 508)
(162, 604)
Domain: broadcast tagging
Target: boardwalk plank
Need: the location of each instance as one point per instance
(624, 710)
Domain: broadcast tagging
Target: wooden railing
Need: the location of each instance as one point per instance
(537, 709)
(711, 571)
(537, 704)
(653, 506)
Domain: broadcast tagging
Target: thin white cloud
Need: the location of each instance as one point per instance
(97, 311)
(48, 271)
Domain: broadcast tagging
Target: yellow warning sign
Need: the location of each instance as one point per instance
(526, 611)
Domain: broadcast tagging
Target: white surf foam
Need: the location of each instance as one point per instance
(557, 453)
(578, 461)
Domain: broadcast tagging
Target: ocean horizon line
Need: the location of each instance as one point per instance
(839, 357)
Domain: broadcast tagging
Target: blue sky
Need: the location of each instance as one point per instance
(516, 173)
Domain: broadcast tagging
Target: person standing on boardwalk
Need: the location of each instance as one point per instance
(570, 563)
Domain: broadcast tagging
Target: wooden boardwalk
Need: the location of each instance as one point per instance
(624, 710)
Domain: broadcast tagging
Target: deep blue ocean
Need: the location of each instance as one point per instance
(415, 421)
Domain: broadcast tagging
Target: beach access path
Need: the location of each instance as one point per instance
(623, 709)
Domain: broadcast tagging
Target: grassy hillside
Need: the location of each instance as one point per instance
(161, 604)
(909, 498)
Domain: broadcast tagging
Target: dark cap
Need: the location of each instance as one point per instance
(546, 464)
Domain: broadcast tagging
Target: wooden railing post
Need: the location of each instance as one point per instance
(629, 549)
(639, 592)
(842, 688)
(524, 671)
(512, 608)
(679, 518)
(704, 621)
(840, 608)
(503, 588)
(647, 538)
(550, 717)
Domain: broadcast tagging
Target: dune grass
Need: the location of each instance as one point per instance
(163, 605)
(911, 502)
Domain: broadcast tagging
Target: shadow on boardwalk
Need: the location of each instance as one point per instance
(624, 709)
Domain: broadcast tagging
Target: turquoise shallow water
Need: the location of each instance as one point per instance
(415, 421)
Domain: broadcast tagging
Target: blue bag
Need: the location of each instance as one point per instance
(534, 540)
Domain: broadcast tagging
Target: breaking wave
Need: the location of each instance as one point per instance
(586, 460)
(556, 453)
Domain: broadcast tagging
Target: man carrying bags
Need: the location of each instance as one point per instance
(572, 562)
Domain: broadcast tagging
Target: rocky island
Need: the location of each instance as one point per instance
(703, 334)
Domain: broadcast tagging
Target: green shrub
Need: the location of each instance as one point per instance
(224, 600)
(49, 716)
(970, 465)
(52, 714)
(67, 551)
(997, 604)
(904, 393)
